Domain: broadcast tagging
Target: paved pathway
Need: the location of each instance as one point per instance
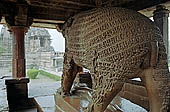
(43, 86)
(3, 98)
(42, 89)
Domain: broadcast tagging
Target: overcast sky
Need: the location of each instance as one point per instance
(58, 41)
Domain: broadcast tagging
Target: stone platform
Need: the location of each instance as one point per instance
(45, 95)
(79, 102)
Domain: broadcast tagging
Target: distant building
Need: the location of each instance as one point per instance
(58, 61)
(5, 51)
(39, 53)
(5, 39)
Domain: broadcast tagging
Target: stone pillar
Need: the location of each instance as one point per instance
(18, 24)
(160, 17)
(17, 91)
(18, 61)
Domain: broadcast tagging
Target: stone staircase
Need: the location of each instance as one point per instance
(5, 64)
(6, 61)
(6, 56)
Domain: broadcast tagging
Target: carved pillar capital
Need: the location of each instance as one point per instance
(160, 16)
(20, 18)
(160, 12)
(59, 27)
(16, 28)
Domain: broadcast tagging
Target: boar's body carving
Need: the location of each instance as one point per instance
(116, 44)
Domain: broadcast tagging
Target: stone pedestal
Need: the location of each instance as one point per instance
(17, 94)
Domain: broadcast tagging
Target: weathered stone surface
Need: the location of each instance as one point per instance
(116, 44)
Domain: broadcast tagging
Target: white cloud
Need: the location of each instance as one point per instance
(58, 41)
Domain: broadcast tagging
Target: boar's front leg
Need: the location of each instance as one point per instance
(69, 73)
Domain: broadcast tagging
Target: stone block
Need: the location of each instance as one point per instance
(17, 93)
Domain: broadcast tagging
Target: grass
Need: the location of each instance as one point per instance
(2, 50)
(49, 75)
(32, 73)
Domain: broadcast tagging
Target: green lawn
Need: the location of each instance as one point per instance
(2, 50)
(32, 73)
(51, 76)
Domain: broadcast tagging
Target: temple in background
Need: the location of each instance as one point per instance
(39, 52)
(5, 51)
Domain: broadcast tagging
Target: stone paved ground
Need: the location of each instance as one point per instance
(3, 98)
(42, 86)
(42, 89)
(4, 72)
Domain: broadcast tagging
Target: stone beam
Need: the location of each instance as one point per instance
(61, 10)
(58, 14)
(72, 4)
(142, 4)
(4, 11)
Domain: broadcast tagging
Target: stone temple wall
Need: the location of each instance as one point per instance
(38, 50)
(5, 52)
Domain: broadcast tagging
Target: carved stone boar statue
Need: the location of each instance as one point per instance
(116, 44)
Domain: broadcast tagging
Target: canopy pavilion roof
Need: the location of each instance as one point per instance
(49, 13)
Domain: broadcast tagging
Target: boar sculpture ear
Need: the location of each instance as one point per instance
(63, 28)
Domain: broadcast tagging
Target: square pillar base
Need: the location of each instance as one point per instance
(17, 93)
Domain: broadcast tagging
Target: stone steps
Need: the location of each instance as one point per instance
(6, 58)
